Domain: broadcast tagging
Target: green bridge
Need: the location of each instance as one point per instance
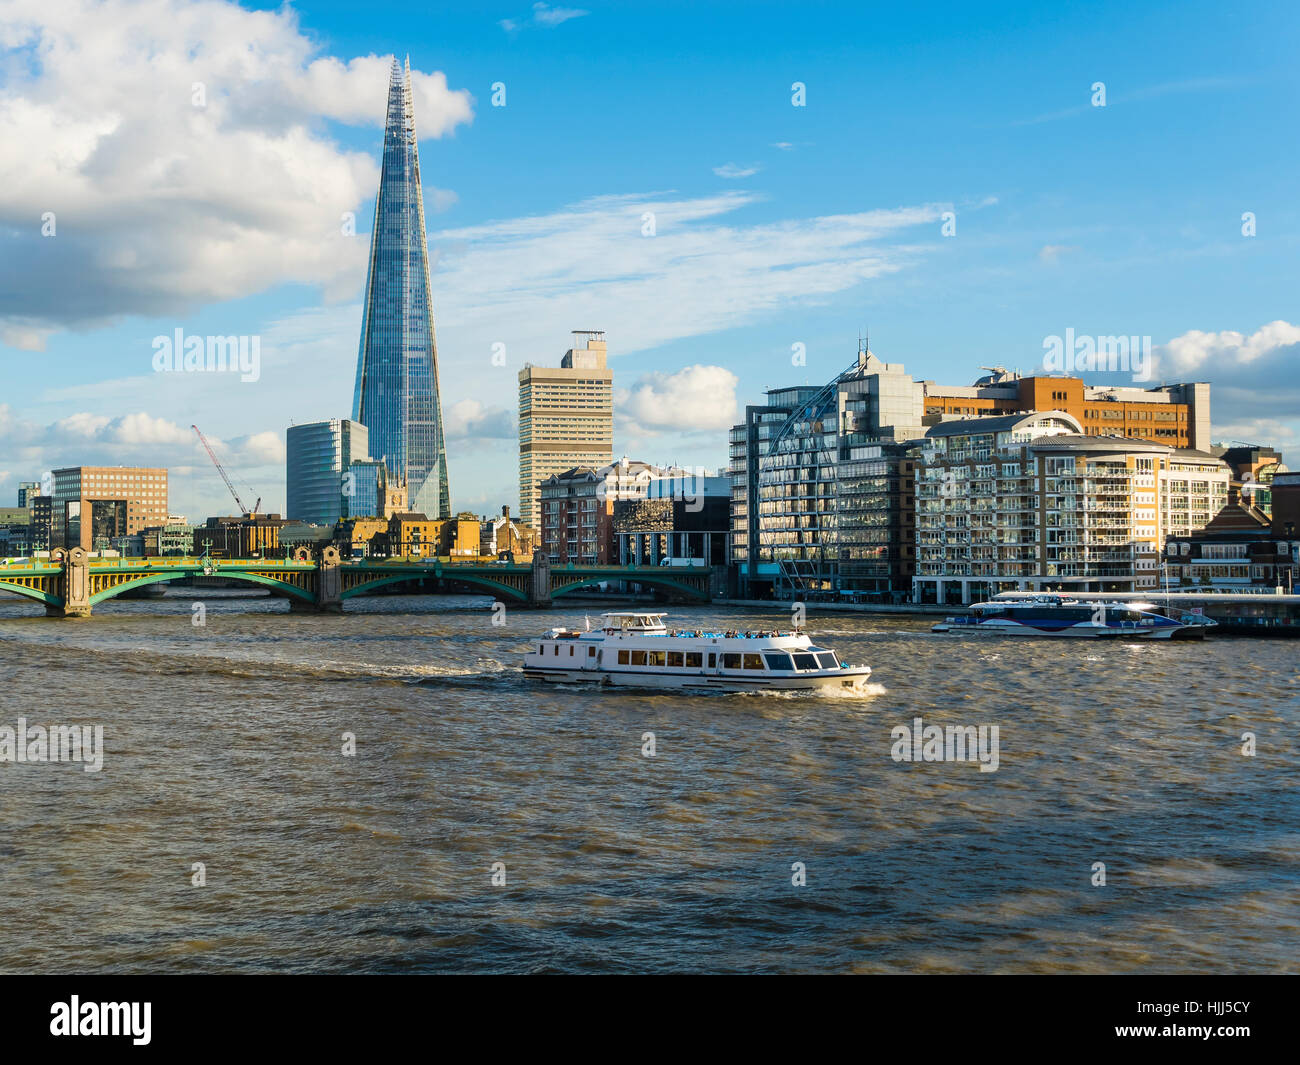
(71, 582)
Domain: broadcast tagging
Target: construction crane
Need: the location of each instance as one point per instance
(238, 502)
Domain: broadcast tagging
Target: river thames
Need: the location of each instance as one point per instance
(223, 745)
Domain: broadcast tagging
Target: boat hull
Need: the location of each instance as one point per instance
(854, 679)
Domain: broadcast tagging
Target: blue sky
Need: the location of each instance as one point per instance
(775, 224)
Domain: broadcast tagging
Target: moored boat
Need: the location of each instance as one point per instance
(636, 649)
(1062, 615)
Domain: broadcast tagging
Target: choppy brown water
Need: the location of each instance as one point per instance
(223, 747)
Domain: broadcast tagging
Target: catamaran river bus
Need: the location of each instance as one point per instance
(1063, 615)
(636, 649)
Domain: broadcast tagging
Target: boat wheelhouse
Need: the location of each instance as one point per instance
(637, 649)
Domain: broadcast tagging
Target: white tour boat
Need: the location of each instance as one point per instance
(636, 649)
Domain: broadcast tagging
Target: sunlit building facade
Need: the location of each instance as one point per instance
(1031, 502)
(821, 497)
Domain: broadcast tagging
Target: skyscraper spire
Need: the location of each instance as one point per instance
(397, 396)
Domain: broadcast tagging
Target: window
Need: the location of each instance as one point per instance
(778, 660)
(570, 650)
(591, 652)
(713, 660)
(675, 658)
(753, 661)
(541, 648)
(555, 649)
(694, 659)
(827, 660)
(805, 662)
(638, 658)
(622, 658)
(655, 658)
(730, 660)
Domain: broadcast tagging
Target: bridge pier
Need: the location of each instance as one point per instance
(329, 587)
(539, 589)
(301, 606)
(75, 584)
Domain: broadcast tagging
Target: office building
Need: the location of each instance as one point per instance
(577, 508)
(242, 536)
(318, 457)
(142, 489)
(566, 418)
(680, 521)
(1176, 415)
(397, 395)
(821, 486)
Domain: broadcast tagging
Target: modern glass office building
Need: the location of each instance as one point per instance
(820, 485)
(396, 394)
(317, 457)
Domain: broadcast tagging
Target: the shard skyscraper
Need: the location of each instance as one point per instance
(396, 394)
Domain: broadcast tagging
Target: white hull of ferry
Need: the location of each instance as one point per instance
(636, 650)
(851, 678)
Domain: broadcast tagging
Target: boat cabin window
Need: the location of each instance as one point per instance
(753, 661)
(541, 648)
(778, 660)
(694, 659)
(555, 648)
(730, 660)
(638, 658)
(570, 650)
(655, 658)
(827, 660)
(623, 658)
(713, 660)
(674, 658)
(591, 652)
(805, 661)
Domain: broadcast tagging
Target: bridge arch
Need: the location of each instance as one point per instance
(290, 590)
(637, 578)
(30, 593)
(397, 578)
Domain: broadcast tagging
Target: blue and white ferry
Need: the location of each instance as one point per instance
(1062, 615)
(636, 649)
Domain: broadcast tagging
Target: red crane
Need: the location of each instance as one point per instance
(238, 502)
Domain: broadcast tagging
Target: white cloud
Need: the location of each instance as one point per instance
(157, 204)
(1051, 253)
(735, 170)
(543, 15)
(1195, 349)
(437, 200)
(469, 419)
(692, 399)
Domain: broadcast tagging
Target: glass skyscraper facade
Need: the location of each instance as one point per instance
(317, 458)
(396, 394)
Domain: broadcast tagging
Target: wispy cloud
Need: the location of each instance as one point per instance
(1150, 92)
(1051, 253)
(543, 16)
(735, 170)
